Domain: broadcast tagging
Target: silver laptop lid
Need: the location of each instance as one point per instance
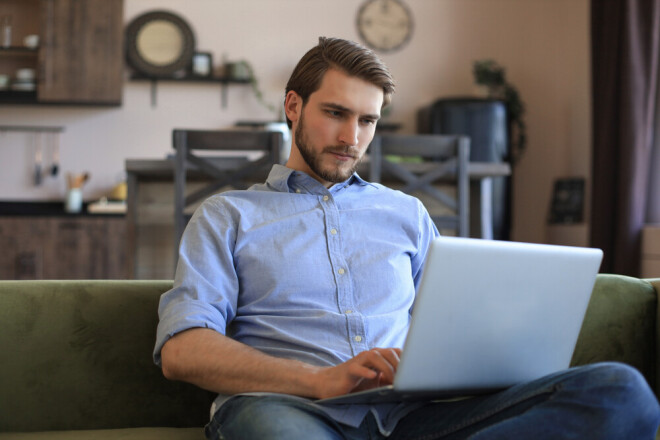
(490, 314)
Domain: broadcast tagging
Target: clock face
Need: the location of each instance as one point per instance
(384, 25)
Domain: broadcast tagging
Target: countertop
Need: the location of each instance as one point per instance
(44, 208)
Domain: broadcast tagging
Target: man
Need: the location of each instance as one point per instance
(301, 288)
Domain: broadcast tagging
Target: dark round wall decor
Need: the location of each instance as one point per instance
(159, 43)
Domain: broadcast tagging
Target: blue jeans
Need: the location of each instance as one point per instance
(598, 401)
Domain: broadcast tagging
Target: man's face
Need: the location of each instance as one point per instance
(335, 126)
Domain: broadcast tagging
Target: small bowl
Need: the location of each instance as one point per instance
(31, 41)
(25, 74)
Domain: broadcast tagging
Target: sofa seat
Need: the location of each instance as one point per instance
(110, 434)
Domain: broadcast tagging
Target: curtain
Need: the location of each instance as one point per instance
(625, 41)
(653, 199)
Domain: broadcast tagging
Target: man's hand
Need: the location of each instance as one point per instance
(369, 369)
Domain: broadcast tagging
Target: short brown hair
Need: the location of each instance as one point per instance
(348, 56)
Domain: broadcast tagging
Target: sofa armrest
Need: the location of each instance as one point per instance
(621, 325)
(76, 355)
(655, 282)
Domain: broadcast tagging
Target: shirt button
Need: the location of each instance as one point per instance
(298, 191)
(333, 231)
(325, 198)
(358, 338)
(341, 271)
(348, 312)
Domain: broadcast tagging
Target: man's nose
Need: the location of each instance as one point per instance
(349, 133)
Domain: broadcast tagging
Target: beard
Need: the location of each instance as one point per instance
(314, 158)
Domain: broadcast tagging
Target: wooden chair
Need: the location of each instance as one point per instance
(441, 158)
(233, 168)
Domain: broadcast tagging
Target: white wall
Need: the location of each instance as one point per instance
(544, 45)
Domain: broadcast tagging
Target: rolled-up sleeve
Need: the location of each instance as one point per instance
(205, 288)
(427, 232)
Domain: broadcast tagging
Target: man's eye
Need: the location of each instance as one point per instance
(334, 113)
(368, 121)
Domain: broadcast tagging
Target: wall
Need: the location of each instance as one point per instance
(543, 44)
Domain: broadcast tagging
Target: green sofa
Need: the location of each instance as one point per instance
(75, 357)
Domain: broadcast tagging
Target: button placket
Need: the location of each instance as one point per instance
(355, 325)
(334, 244)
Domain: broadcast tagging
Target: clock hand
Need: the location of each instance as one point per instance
(385, 6)
(387, 23)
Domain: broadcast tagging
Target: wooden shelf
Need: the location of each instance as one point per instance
(18, 97)
(31, 129)
(223, 81)
(15, 57)
(210, 79)
(19, 51)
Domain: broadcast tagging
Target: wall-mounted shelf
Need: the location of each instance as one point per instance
(32, 128)
(223, 81)
(19, 50)
(13, 58)
(18, 97)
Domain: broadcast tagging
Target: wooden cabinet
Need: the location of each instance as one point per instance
(68, 247)
(79, 59)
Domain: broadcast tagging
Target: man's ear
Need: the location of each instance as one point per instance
(293, 105)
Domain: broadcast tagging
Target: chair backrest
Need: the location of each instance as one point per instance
(440, 158)
(234, 167)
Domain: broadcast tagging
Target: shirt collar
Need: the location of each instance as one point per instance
(278, 178)
(285, 179)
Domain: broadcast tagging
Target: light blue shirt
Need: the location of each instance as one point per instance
(303, 272)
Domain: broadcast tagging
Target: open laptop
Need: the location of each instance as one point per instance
(488, 315)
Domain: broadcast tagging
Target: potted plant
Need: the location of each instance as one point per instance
(243, 70)
(489, 74)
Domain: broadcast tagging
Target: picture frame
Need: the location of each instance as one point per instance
(567, 206)
(202, 64)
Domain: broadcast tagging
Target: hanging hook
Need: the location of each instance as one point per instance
(55, 167)
(38, 157)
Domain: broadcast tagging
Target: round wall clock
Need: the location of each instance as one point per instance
(159, 43)
(385, 25)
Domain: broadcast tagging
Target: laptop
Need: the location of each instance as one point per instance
(488, 315)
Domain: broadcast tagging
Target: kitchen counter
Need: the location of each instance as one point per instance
(44, 208)
(150, 207)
